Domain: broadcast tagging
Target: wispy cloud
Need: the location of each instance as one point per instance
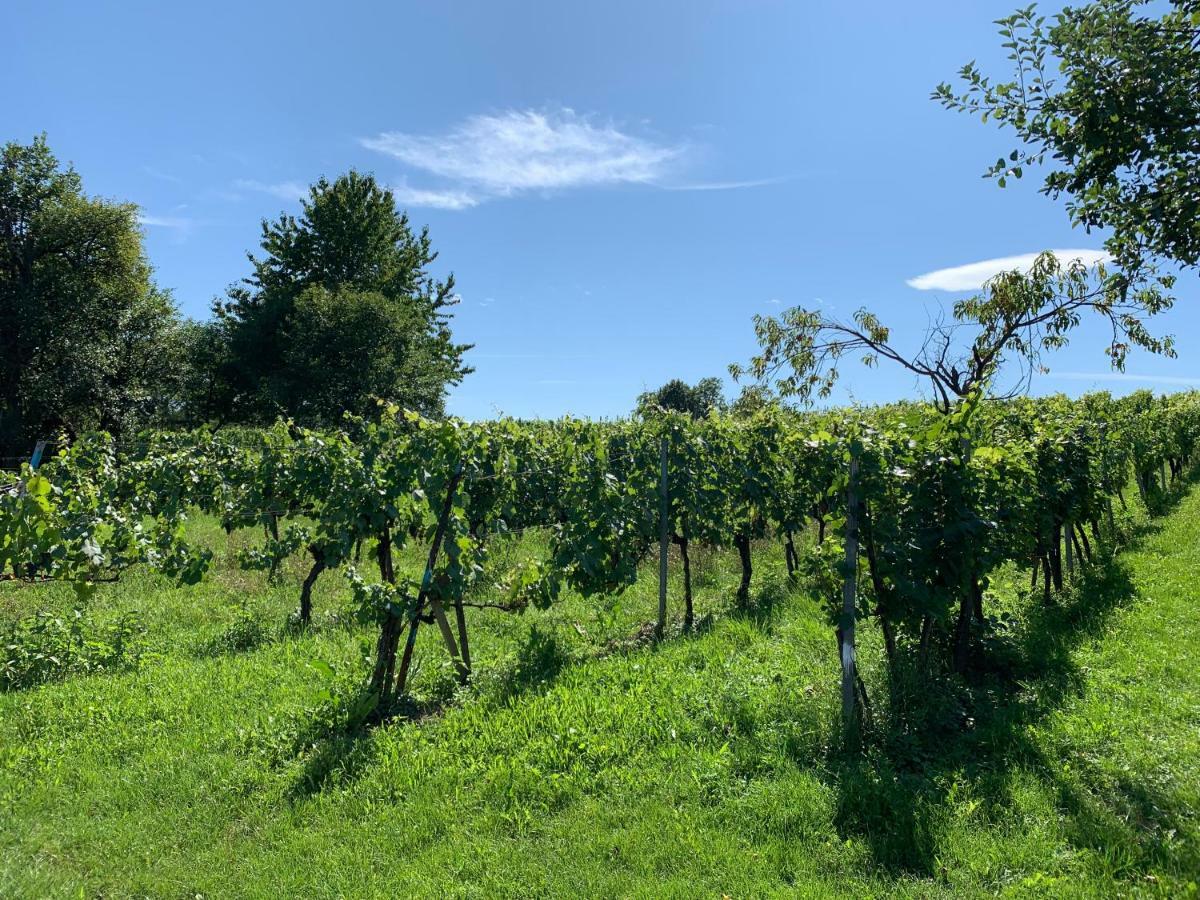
(284, 190)
(528, 150)
(520, 151)
(971, 277)
(450, 199)
(724, 185)
(164, 221)
(1126, 376)
(161, 175)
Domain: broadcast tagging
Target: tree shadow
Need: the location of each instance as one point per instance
(897, 792)
(764, 605)
(540, 659)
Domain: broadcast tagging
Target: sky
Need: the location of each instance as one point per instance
(618, 187)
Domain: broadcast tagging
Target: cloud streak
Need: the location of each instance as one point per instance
(151, 221)
(449, 199)
(284, 190)
(725, 185)
(972, 276)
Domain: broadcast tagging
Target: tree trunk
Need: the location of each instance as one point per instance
(1056, 558)
(307, 588)
(742, 542)
(923, 647)
(688, 612)
(789, 553)
(1086, 544)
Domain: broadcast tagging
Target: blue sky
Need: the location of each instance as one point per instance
(618, 187)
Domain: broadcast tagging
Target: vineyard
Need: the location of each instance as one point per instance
(898, 515)
(895, 578)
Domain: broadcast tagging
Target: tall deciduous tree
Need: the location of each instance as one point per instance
(86, 339)
(339, 310)
(1107, 96)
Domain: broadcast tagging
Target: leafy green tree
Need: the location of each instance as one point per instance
(1016, 319)
(1108, 97)
(340, 309)
(86, 339)
(678, 396)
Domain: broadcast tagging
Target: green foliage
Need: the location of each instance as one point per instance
(86, 339)
(696, 400)
(246, 632)
(1018, 317)
(1106, 95)
(341, 309)
(44, 647)
(944, 500)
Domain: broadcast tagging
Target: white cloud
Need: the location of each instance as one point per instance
(1125, 376)
(450, 199)
(519, 151)
(972, 276)
(284, 190)
(723, 185)
(161, 175)
(164, 221)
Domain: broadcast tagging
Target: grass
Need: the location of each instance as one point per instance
(581, 762)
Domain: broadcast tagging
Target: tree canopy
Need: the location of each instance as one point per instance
(1108, 96)
(340, 309)
(678, 396)
(86, 339)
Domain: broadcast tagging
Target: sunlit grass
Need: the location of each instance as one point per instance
(581, 763)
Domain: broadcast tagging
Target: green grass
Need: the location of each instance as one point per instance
(583, 763)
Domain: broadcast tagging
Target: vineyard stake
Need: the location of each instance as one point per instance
(846, 627)
(427, 581)
(664, 539)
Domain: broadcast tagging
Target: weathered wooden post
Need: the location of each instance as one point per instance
(849, 604)
(664, 539)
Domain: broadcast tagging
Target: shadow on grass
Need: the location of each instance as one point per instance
(335, 744)
(765, 603)
(540, 659)
(975, 732)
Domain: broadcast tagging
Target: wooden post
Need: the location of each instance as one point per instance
(439, 616)
(664, 539)
(36, 459)
(849, 586)
(1068, 542)
(426, 584)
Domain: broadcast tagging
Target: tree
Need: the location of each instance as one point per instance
(696, 400)
(1120, 123)
(86, 339)
(340, 310)
(1018, 317)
